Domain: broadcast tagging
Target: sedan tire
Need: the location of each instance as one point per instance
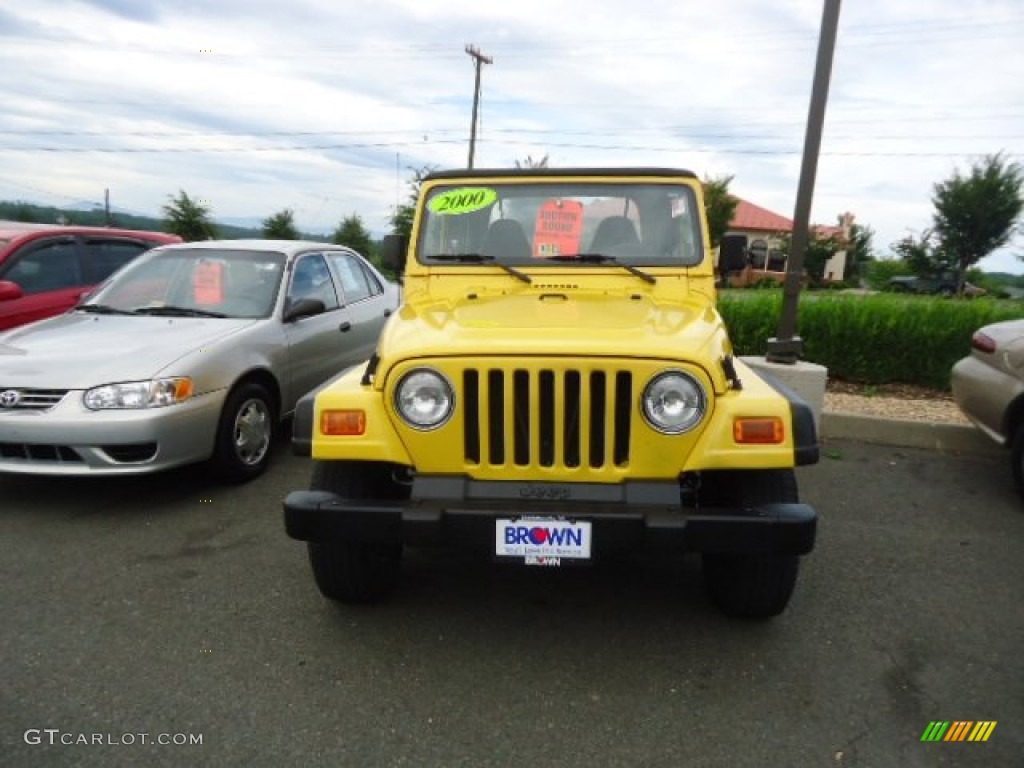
(1017, 459)
(245, 435)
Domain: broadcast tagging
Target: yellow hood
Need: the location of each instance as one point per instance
(561, 324)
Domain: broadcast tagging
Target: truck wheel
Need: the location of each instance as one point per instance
(750, 586)
(356, 571)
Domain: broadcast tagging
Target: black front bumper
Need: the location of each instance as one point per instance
(623, 517)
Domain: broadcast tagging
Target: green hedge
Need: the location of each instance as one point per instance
(873, 339)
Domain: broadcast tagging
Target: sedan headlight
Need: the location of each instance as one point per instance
(674, 402)
(424, 399)
(138, 394)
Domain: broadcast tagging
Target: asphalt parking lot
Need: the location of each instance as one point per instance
(173, 607)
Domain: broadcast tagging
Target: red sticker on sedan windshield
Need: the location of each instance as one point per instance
(208, 283)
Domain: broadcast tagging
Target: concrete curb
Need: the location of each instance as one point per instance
(947, 438)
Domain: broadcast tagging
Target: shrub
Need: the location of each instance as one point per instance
(879, 272)
(873, 339)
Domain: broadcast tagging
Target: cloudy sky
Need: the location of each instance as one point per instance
(325, 106)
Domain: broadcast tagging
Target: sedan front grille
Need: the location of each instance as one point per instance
(61, 454)
(15, 399)
(551, 417)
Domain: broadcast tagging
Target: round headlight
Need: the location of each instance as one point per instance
(424, 399)
(674, 402)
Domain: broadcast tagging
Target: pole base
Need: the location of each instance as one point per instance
(785, 351)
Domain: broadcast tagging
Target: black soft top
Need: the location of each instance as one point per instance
(467, 173)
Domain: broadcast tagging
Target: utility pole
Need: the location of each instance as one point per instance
(787, 347)
(106, 206)
(478, 60)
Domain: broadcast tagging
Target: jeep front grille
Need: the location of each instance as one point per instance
(547, 417)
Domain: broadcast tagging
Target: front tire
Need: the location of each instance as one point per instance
(750, 585)
(353, 571)
(245, 434)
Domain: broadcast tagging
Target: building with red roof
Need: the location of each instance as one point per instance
(764, 230)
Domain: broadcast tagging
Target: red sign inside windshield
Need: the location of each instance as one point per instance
(559, 227)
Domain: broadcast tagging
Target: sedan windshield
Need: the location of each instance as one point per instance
(559, 222)
(197, 282)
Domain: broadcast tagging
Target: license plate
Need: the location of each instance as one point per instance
(542, 541)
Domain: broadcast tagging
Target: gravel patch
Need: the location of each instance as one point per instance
(893, 401)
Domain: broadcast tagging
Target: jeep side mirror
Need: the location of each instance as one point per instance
(393, 250)
(732, 254)
(10, 291)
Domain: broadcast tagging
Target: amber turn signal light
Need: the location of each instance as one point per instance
(343, 423)
(758, 431)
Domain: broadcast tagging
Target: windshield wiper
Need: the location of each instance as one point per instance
(172, 311)
(600, 258)
(104, 309)
(481, 258)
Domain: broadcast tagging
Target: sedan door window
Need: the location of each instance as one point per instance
(312, 280)
(356, 283)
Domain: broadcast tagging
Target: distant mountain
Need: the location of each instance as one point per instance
(90, 215)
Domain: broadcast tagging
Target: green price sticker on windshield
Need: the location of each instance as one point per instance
(462, 200)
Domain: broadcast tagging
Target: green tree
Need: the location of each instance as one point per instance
(820, 248)
(859, 252)
(280, 226)
(24, 212)
(923, 254)
(352, 233)
(401, 219)
(529, 162)
(977, 213)
(188, 219)
(719, 205)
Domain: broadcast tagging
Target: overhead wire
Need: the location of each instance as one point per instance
(951, 29)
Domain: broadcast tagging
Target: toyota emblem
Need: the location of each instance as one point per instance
(10, 398)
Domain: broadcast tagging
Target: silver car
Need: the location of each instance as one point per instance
(192, 352)
(988, 385)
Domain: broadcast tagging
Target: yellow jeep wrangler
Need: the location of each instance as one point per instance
(557, 384)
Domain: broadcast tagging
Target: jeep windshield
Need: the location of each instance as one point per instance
(561, 223)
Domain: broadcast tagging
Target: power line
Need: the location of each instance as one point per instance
(505, 142)
(948, 29)
(47, 192)
(689, 134)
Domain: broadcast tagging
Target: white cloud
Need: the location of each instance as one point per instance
(218, 98)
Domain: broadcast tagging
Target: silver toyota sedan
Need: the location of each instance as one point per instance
(193, 352)
(988, 386)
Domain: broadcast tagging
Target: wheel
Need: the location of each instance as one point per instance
(1017, 459)
(356, 571)
(245, 433)
(750, 586)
